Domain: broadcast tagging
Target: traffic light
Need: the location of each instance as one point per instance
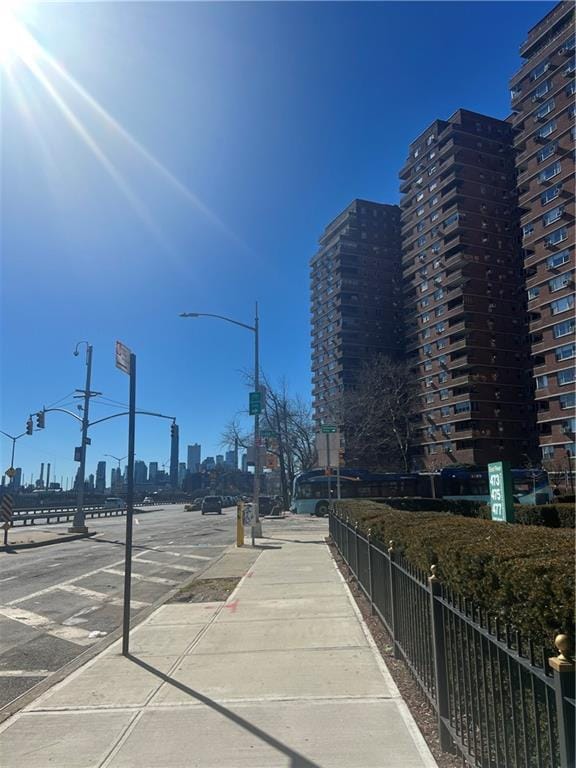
(40, 418)
(29, 426)
(173, 430)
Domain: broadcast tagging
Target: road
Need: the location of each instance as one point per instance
(56, 601)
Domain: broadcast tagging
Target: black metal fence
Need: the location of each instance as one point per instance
(499, 701)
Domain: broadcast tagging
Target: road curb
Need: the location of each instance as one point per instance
(62, 540)
(60, 674)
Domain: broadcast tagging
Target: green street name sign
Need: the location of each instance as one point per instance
(327, 429)
(501, 496)
(255, 403)
(267, 433)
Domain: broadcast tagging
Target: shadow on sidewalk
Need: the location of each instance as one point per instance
(296, 760)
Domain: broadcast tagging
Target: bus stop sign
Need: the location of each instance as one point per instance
(501, 497)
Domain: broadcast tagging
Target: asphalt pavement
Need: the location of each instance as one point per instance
(57, 601)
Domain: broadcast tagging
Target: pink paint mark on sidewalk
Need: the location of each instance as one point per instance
(233, 605)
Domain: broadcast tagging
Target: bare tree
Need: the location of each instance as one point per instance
(290, 420)
(378, 415)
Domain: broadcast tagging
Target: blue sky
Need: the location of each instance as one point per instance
(185, 157)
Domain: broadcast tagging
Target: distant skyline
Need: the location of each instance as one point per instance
(235, 133)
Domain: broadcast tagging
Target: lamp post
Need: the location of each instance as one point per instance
(13, 438)
(119, 459)
(79, 523)
(257, 526)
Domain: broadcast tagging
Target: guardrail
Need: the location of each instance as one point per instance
(499, 701)
(45, 517)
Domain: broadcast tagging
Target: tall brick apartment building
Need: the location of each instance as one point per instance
(543, 98)
(464, 301)
(355, 282)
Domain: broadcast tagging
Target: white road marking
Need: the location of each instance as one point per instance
(46, 590)
(24, 673)
(101, 597)
(8, 578)
(141, 577)
(181, 554)
(36, 621)
(168, 565)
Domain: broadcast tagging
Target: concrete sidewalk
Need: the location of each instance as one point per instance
(282, 674)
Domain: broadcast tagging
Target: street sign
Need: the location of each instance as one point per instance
(328, 449)
(255, 403)
(326, 429)
(501, 497)
(122, 357)
(10, 472)
(78, 453)
(267, 433)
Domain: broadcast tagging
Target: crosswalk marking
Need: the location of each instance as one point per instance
(24, 673)
(168, 565)
(101, 597)
(36, 621)
(141, 577)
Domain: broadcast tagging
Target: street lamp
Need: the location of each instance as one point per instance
(11, 471)
(257, 526)
(119, 459)
(79, 523)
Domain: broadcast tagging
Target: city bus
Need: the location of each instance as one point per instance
(529, 486)
(310, 496)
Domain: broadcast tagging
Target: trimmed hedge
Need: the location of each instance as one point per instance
(554, 515)
(522, 574)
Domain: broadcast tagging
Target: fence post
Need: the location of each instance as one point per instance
(563, 666)
(370, 581)
(392, 583)
(440, 672)
(356, 551)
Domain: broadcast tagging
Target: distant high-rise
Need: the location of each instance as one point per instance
(219, 460)
(232, 459)
(208, 463)
(90, 482)
(244, 462)
(194, 457)
(140, 472)
(152, 471)
(17, 479)
(542, 93)
(101, 477)
(181, 472)
(355, 285)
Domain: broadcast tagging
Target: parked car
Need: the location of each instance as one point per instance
(147, 500)
(212, 505)
(265, 505)
(113, 502)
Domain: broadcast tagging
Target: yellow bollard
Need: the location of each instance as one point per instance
(240, 524)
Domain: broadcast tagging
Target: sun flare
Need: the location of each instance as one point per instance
(16, 42)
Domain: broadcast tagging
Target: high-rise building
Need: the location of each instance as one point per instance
(181, 472)
(16, 481)
(219, 460)
(152, 472)
(89, 484)
(101, 477)
(244, 462)
(355, 302)
(464, 302)
(208, 463)
(542, 93)
(140, 472)
(232, 459)
(194, 456)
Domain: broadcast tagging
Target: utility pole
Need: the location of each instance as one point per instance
(257, 525)
(79, 524)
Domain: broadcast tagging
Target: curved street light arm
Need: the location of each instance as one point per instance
(127, 413)
(219, 317)
(13, 437)
(63, 410)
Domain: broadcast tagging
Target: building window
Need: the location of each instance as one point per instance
(419, 196)
(553, 215)
(444, 394)
(558, 236)
(558, 259)
(433, 186)
(547, 451)
(544, 110)
(571, 89)
(420, 211)
(461, 407)
(440, 327)
(547, 151)
(541, 382)
(567, 401)
(539, 70)
(563, 329)
(442, 343)
(421, 240)
(549, 172)
(425, 317)
(527, 230)
(442, 377)
(533, 293)
(450, 220)
(440, 310)
(547, 129)
(557, 283)
(550, 194)
(567, 376)
(565, 352)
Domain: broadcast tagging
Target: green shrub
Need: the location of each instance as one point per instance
(519, 573)
(463, 507)
(567, 498)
